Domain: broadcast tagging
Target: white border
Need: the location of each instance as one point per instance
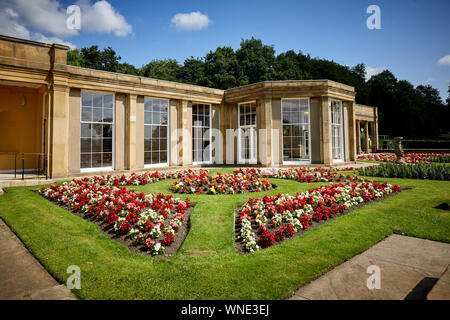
(309, 132)
(210, 136)
(161, 164)
(100, 169)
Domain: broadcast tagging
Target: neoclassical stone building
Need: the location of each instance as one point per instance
(79, 120)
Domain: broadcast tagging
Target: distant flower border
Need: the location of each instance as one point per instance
(261, 222)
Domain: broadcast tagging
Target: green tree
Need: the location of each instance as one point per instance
(290, 66)
(167, 69)
(222, 69)
(256, 60)
(193, 72)
(75, 58)
(127, 68)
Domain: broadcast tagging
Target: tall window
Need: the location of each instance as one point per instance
(295, 114)
(337, 130)
(201, 133)
(97, 125)
(156, 131)
(247, 132)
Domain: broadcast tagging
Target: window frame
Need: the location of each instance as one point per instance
(239, 153)
(341, 131)
(113, 138)
(210, 134)
(159, 165)
(293, 162)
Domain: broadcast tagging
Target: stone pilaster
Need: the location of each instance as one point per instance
(185, 118)
(327, 146)
(366, 137)
(131, 131)
(59, 131)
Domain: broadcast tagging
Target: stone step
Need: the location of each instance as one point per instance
(441, 290)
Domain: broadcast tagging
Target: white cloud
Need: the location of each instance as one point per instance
(191, 21)
(445, 60)
(428, 80)
(371, 71)
(101, 17)
(45, 20)
(10, 26)
(41, 38)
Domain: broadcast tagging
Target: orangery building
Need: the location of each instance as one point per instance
(69, 120)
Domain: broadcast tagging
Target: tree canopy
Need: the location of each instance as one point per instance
(413, 112)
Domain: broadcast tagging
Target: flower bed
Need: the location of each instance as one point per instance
(408, 157)
(299, 174)
(220, 184)
(408, 171)
(143, 178)
(147, 223)
(261, 222)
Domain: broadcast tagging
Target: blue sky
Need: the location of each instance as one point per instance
(413, 37)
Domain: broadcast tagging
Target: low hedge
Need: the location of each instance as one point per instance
(442, 159)
(408, 171)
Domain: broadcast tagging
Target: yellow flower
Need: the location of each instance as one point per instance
(212, 190)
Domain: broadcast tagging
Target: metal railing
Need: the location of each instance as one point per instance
(37, 163)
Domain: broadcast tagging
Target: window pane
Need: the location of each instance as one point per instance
(96, 160)
(108, 101)
(147, 118)
(107, 130)
(85, 145)
(85, 130)
(107, 145)
(107, 159)
(98, 100)
(163, 132)
(86, 160)
(97, 145)
(86, 99)
(97, 115)
(86, 114)
(147, 157)
(96, 130)
(108, 115)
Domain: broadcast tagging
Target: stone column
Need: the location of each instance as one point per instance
(75, 131)
(327, 146)
(366, 135)
(185, 123)
(358, 136)
(131, 131)
(59, 133)
(140, 129)
(375, 130)
(353, 131)
(277, 134)
(120, 106)
(173, 134)
(265, 135)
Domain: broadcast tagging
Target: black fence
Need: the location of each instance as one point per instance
(23, 164)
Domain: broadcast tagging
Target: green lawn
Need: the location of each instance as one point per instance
(207, 267)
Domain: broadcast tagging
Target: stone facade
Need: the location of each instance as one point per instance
(36, 76)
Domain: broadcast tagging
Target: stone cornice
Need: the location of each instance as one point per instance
(116, 82)
(285, 89)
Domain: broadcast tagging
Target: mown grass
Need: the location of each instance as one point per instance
(207, 266)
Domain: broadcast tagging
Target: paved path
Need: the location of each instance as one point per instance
(22, 276)
(409, 268)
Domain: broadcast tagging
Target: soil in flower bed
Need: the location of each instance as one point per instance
(108, 229)
(240, 245)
